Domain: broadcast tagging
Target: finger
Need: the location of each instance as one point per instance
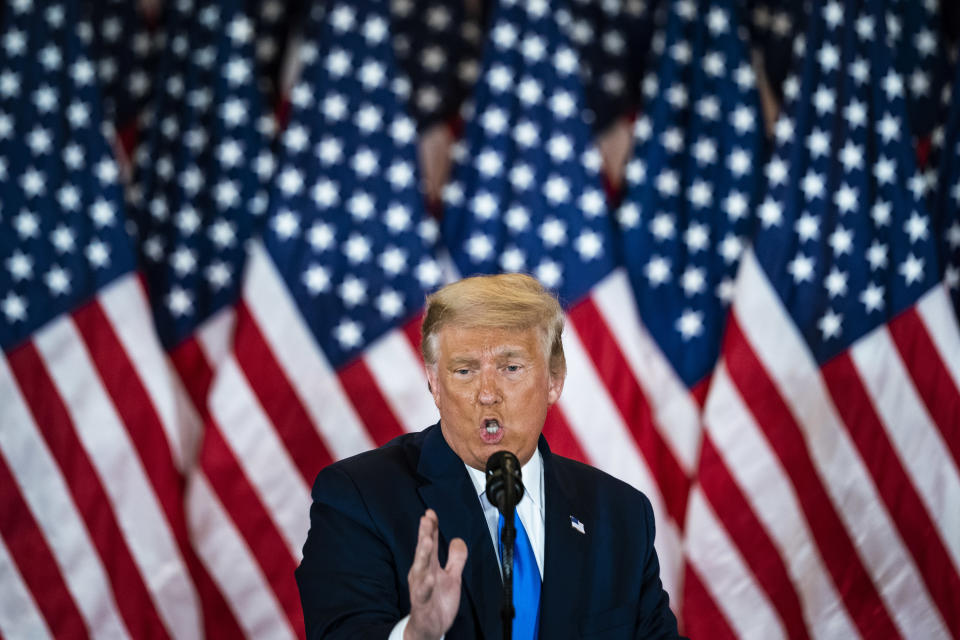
(421, 556)
(433, 529)
(456, 558)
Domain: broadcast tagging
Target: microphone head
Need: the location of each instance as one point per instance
(504, 480)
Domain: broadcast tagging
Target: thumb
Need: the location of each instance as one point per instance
(456, 558)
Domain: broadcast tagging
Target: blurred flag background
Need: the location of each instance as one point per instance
(219, 220)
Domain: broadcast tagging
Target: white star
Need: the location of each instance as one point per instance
(657, 270)
(700, 194)
(521, 177)
(237, 71)
(667, 183)
(731, 247)
(690, 324)
(560, 148)
(912, 269)
(62, 239)
(553, 232)
(833, 14)
(393, 260)
(286, 224)
(872, 297)
(705, 151)
(530, 91)
(592, 203)
(402, 130)
(565, 60)
(223, 233)
(517, 218)
(353, 291)
(885, 170)
(823, 100)
(183, 261)
(479, 247)
(361, 206)
(179, 302)
(375, 29)
(562, 104)
(512, 260)
(807, 227)
(877, 255)
(533, 48)
(714, 64)
(549, 273)
(33, 182)
(856, 114)
(364, 163)
(484, 205)
(589, 245)
(865, 27)
(881, 213)
(818, 142)
(20, 266)
(743, 119)
(349, 334)
(829, 58)
(557, 189)
(801, 268)
(771, 213)
(776, 171)
(953, 235)
(841, 240)
(735, 205)
(662, 226)
(334, 107)
(428, 273)
(234, 112)
(369, 118)
(494, 121)
(830, 324)
(707, 107)
(739, 161)
(14, 307)
(836, 283)
(400, 175)
(812, 185)
(846, 199)
(500, 78)
(389, 303)
(888, 128)
(504, 35)
(851, 156)
(860, 70)
(357, 248)
(26, 224)
(693, 280)
(102, 213)
(893, 85)
(916, 227)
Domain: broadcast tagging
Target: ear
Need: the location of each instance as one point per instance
(555, 386)
(432, 385)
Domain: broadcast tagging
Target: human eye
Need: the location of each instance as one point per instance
(513, 368)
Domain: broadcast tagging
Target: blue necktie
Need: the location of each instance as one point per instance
(526, 583)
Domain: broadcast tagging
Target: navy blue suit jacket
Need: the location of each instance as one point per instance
(604, 583)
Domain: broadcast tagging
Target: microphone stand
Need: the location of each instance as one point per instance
(508, 536)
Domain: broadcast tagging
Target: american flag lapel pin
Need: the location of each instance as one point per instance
(576, 524)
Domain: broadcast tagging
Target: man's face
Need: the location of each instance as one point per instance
(493, 388)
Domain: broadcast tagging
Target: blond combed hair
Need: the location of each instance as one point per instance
(513, 301)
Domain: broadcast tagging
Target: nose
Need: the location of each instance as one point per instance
(488, 392)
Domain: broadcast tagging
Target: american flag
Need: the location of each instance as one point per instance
(828, 474)
(156, 454)
(94, 540)
(689, 213)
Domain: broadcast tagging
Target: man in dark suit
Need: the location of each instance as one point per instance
(495, 364)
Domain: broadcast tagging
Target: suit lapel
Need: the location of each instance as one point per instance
(448, 490)
(565, 551)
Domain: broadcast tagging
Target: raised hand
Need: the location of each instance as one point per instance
(434, 590)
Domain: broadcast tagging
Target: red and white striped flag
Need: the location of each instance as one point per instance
(828, 480)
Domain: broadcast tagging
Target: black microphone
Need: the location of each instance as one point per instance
(504, 482)
(504, 489)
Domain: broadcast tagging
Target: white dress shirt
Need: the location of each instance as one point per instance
(530, 510)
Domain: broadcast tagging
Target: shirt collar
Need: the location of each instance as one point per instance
(532, 473)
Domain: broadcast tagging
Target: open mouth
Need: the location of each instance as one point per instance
(492, 431)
